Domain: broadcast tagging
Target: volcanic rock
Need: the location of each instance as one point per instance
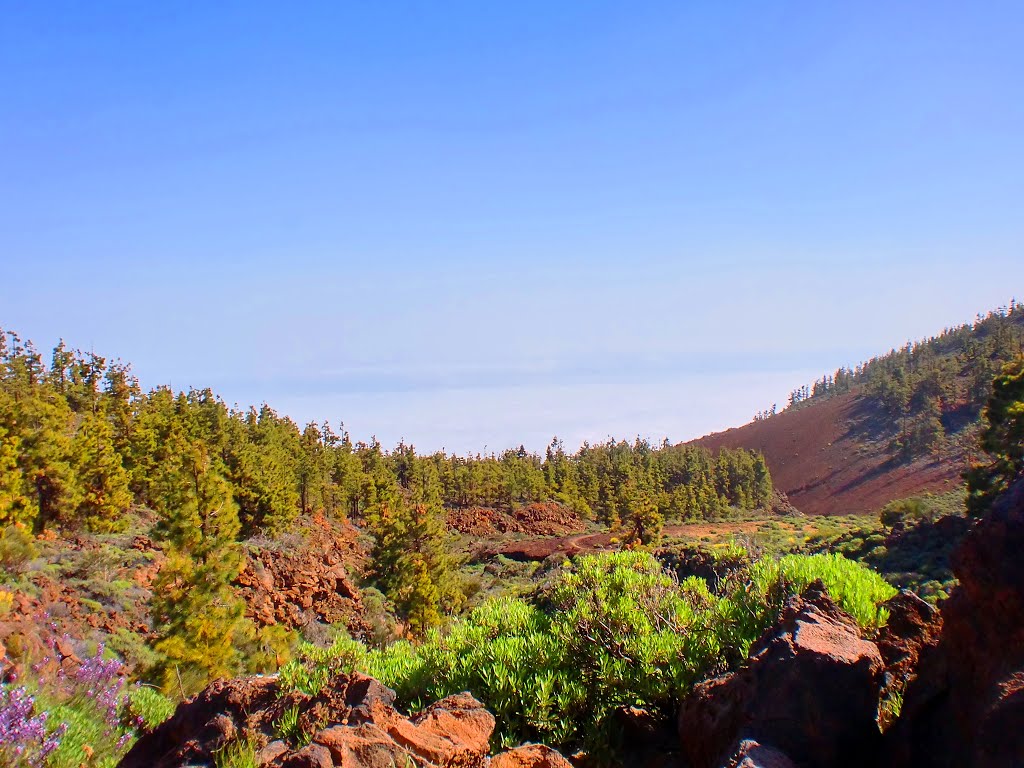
(530, 756)
(966, 706)
(352, 722)
(913, 627)
(809, 692)
(308, 582)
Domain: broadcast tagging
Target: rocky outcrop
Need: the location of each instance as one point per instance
(808, 695)
(307, 583)
(913, 627)
(352, 722)
(530, 756)
(966, 706)
(537, 519)
(225, 711)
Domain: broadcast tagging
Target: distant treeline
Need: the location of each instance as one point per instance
(81, 443)
(923, 385)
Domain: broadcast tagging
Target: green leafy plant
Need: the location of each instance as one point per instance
(314, 666)
(240, 753)
(609, 631)
(288, 728)
(147, 707)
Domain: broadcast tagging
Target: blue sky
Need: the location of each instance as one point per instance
(476, 225)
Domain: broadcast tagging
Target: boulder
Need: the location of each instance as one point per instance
(352, 722)
(750, 754)
(310, 756)
(203, 725)
(530, 756)
(913, 626)
(809, 693)
(966, 705)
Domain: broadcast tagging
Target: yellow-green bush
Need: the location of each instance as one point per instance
(611, 630)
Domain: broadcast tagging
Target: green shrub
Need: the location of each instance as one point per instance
(857, 590)
(147, 707)
(85, 740)
(615, 631)
(132, 647)
(288, 728)
(17, 549)
(314, 666)
(380, 615)
(240, 753)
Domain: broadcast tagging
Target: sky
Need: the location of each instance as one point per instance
(477, 225)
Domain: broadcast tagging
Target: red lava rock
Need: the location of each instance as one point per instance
(352, 721)
(530, 756)
(966, 706)
(809, 690)
(271, 752)
(310, 756)
(460, 720)
(64, 647)
(537, 519)
(363, 745)
(204, 724)
(913, 627)
(309, 582)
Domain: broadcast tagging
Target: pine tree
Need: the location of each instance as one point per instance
(643, 520)
(14, 504)
(411, 562)
(266, 472)
(105, 496)
(120, 393)
(197, 618)
(1003, 440)
(45, 428)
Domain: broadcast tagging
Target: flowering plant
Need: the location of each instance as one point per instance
(24, 739)
(87, 699)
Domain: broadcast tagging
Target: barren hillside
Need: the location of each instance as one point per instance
(830, 458)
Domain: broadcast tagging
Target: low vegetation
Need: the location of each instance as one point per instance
(87, 716)
(608, 631)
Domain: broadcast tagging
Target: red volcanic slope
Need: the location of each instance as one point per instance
(830, 457)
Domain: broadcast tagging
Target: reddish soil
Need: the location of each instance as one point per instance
(830, 457)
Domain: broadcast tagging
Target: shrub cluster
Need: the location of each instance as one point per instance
(609, 631)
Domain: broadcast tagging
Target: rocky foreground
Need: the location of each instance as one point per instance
(808, 697)
(354, 722)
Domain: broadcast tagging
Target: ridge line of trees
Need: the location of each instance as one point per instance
(81, 443)
(928, 388)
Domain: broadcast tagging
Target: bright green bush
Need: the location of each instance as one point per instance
(314, 666)
(609, 631)
(614, 630)
(856, 589)
(147, 707)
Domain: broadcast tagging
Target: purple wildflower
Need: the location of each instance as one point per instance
(23, 736)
